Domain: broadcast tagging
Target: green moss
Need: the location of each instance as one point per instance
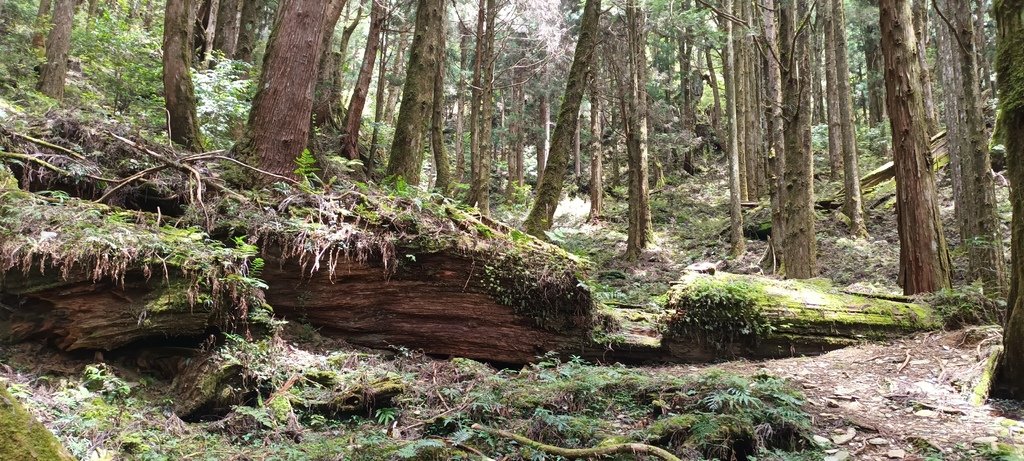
(280, 409)
(24, 438)
(718, 312)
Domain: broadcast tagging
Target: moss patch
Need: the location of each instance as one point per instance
(24, 438)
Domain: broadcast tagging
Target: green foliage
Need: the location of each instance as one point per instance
(718, 313)
(122, 62)
(224, 94)
(967, 305)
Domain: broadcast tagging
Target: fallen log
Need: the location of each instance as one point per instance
(756, 317)
(376, 271)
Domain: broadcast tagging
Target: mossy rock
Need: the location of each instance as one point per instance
(24, 438)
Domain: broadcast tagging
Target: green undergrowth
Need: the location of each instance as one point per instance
(425, 414)
(717, 312)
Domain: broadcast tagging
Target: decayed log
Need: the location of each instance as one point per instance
(737, 315)
(459, 287)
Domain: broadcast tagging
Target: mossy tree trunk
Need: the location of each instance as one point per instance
(248, 28)
(483, 105)
(738, 244)
(58, 43)
(798, 243)
(279, 120)
(225, 38)
(549, 190)
(23, 438)
(354, 115)
(460, 106)
(596, 148)
(922, 34)
(853, 206)
(42, 15)
(406, 156)
(775, 125)
(442, 165)
(980, 228)
(179, 94)
(640, 230)
(924, 261)
(1009, 15)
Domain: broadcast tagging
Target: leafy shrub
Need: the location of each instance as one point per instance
(224, 95)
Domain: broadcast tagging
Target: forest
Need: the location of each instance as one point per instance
(494, 230)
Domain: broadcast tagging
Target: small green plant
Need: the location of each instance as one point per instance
(385, 416)
(306, 168)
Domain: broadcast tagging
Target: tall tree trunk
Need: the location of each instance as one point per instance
(639, 233)
(835, 124)
(596, 149)
(460, 106)
(920, 12)
(798, 245)
(406, 156)
(738, 67)
(443, 177)
(875, 80)
(354, 115)
(226, 37)
(397, 69)
(818, 35)
(550, 188)
(279, 120)
(248, 28)
(716, 112)
(752, 111)
(42, 18)
(1009, 69)
(179, 95)
(58, 43)
(775, 127)
(479, 173)
(208, 20)
(853, 207)
(980, 229)
(924, 262)
(738, 244)
(378, 107)
(482, 183)
(545, 144)
(325, 94)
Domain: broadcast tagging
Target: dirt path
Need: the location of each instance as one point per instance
(900, 400)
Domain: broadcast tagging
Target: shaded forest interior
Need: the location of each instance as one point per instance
(511, 229)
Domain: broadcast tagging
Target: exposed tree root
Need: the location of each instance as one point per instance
(579, 453)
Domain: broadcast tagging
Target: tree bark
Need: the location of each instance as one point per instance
(406, 156)
(42, 17)
(736, 240)
(835, 124)
(853, 207)
(354, 115)
(549, 190)
(596, 150)
(279, 120)
(920, 13)
(226, 37)
(460, 106)
(775, 127)
(716, 113)
(58, 43)
(1009, 69)
(248, 28)
(179, 95)
(639, 232)
(479, 191)
(798, 245)
(545, 144)
(442, 165)
(875, 80)
(980, 228)
(924, 262)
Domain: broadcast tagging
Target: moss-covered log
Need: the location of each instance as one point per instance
(377, 271)
(736, 315)
(24, 438)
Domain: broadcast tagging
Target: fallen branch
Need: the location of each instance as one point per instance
(578, 453)
(49, 166)
(49, 145)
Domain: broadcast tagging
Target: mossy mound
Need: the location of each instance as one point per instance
(24, 438)
(761, 316)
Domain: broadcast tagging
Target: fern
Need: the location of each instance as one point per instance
(413, 449)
